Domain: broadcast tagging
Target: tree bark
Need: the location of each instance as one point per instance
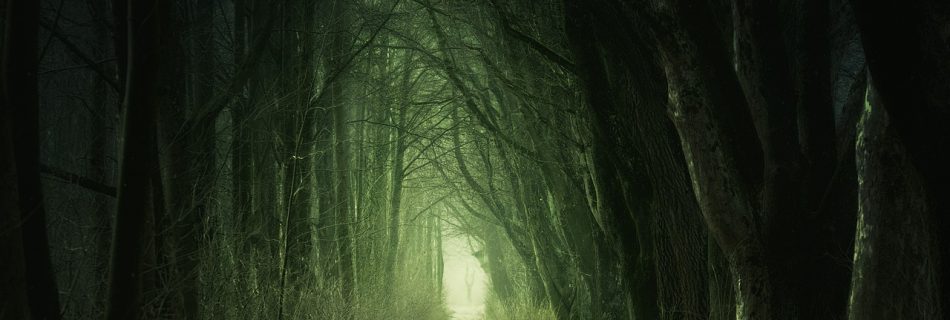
(627, 99)
(895, 271)
(906, 47)
(702, 90)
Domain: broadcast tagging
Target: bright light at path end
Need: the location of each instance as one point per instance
(465, 281)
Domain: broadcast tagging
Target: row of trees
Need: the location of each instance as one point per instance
(605, 159)
(815, 216)
(241, 130)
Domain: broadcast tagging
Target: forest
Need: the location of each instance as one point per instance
(475, 159)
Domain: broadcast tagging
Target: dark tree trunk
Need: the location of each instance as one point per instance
(341, 160)
(440, 257)
(392, 255)
(495, 267)
(705, 106)
(323, 171)
(241, 164)
(21, 102)
(102, 148)
(185, 164)
(342, 196)
(907, 47)
(895, 273)
(627, 99)
(299, 124)
(12, 270)
(395, 196)
(138, 160)
(618, 226)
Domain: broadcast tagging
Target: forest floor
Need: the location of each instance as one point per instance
(467, 312)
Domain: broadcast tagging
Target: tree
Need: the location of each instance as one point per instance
(143, 99)
(904, 118)
(20, 102)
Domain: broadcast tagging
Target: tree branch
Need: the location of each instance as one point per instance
(72, 178)
(532, 43)
(92, 64)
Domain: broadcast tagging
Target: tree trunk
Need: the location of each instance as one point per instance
(296, 80)
(21, 101)
(342, 197)
(341, 160)
(395, 197)
(906, 49)
(12, 271)
(497, 271)
(701, 88)
(185, 166)
(323, 170)
(137, 158)
(895, 274)
(627, 100)
(440, 257)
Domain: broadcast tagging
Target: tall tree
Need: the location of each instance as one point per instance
(904, 121)
(13, 271)
(398, 172)
(186, 164)
(138, 158)
(341, 160)
(21, 102)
